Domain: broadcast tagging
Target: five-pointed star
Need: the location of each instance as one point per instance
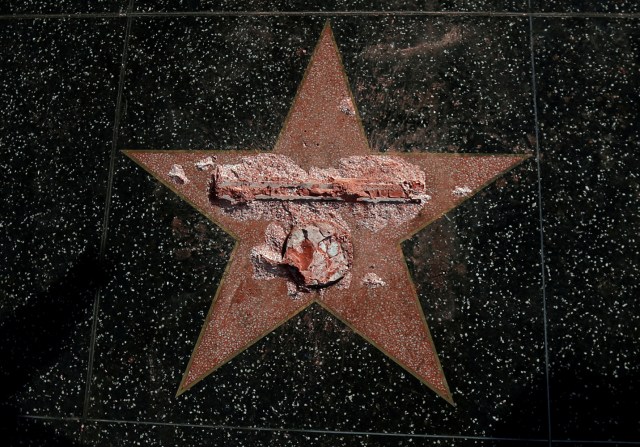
(318, 132)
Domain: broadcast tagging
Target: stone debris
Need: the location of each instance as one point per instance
(373, 281)
(346, 107)
(319, 252)
(375, 179)
(370, 216)
(266, 262)
(274, 236)
(261, 167)
(206, 163)
(461, 191)
(178, 175)
(282, 255)
(292, 289)
(267, 258)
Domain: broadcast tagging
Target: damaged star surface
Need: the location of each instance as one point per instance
(376, 297)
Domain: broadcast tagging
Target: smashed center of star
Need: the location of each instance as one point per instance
(309, 240)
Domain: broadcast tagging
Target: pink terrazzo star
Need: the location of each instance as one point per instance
(320, 220)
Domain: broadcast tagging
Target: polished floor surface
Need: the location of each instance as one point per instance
(529, 288)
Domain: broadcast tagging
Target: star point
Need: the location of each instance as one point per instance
(323, 124)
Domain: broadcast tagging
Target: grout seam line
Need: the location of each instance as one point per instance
(107, 208)
(325, 432)
(541, 223)
(159, 14)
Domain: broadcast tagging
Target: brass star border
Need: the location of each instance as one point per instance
(323, 127)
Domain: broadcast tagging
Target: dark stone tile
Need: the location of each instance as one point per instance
(332, 5)
(590, 444)
(62, 6)
(589, 77)
(58, 90)
(125, 434)
(607, 6)
(236, 75)
(438, 84)
(462, 84)
(477, 273)
(227, 82)
(29, 432)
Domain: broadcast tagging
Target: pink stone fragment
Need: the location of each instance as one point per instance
(205, 163)
(178, 175)
(346, 107)
(461, 191)
(373, 281)
(319, 252)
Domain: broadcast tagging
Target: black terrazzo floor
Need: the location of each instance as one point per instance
(530, 288)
